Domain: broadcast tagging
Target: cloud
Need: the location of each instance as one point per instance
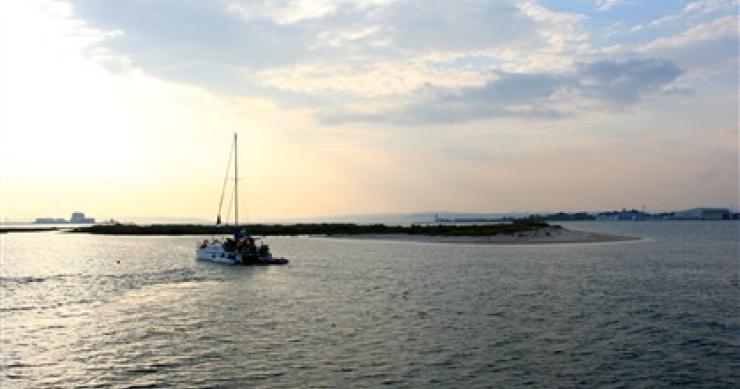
(719, 28)
(195, 42)
(222, 44)
(607, 4)
(692, 13)
(367, 79)
(707, 50)
(295, 11)
(624, 82)
(708, 6)
(405, 61)
(607, 83)
(284, 12)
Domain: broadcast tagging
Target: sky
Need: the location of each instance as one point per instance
(359, 107)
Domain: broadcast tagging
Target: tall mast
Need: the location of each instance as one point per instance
(236, 187)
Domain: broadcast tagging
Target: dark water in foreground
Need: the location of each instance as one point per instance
(656, 313)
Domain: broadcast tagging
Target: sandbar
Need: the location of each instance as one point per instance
(546, 235)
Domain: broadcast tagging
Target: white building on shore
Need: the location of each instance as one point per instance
(79, 218)
(76, 218)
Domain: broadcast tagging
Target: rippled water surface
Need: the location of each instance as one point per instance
(107, 311)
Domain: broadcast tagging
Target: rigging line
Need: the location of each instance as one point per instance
(226, 179)
(228, 210)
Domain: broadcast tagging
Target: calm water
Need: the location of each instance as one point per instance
(101, 311)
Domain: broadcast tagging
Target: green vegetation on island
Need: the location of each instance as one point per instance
(509, 228)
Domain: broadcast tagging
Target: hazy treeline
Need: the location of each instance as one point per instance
(317, 229)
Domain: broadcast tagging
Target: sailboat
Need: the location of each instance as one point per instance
(242, 249)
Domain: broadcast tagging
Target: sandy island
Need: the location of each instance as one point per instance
(541, 236)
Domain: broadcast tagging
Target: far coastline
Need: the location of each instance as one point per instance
(516, 232)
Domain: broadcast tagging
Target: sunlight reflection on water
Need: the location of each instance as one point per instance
(83, 310)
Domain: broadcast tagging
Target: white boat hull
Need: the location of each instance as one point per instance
(215, 252)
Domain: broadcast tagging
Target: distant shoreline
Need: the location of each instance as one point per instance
(524, 232)
(327, 229)
(548, 235)
(4, 230)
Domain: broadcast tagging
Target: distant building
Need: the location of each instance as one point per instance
(79, 218)
(624, 214)
(704, 214)
(49, 220)
(563, 216)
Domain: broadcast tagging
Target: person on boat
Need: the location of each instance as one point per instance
(251, 247)
(264, 250)
(239, 233)
(229, 244)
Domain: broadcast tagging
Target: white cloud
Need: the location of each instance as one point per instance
(690, 13)
(607, 4)
(334, 54)
(348, 36)
(552, 44)
(374, 79)
(722, 27)
(663, 21)
(708, 6)
(293, 11)
(560, 29)
(284, 12)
